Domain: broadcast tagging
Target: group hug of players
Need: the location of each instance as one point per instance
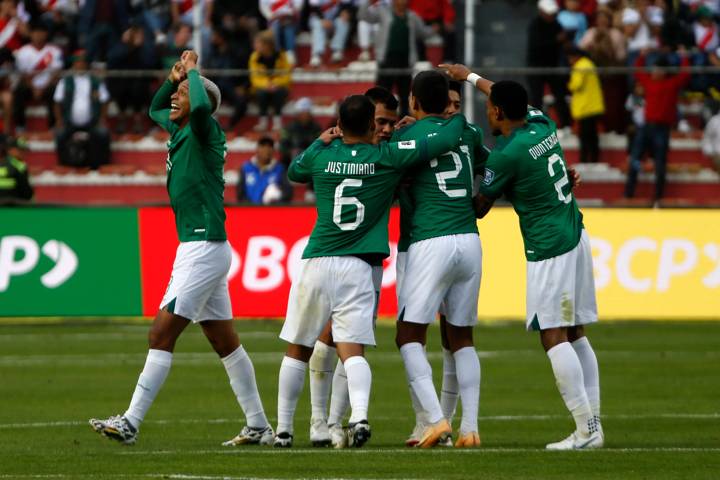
(436, 165)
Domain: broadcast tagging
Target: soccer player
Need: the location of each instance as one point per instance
(527, 166)
(355, 183)
(198, 288)
(327, 430)
(443, 264)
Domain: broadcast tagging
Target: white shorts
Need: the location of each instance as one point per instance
(339, 288)
(561, 290)
(400, 264)
(198, 288)
(442, 271)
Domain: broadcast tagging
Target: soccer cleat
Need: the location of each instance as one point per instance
(433, 433)
(578, 442)
(319, 433)
(416, 435)
(468, 440)
(283, 440)
(338, 437)
(252, 436)
(358, 434)
(446, 441)
(116, 428)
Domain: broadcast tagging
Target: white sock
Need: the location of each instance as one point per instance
(420, 415)
(449, 391)
(419, 373)
(468, 380)
(242, 380)
(290, 385)
(340, 398)
(569, 378)
(157, 367)
(359, 379)
(321, 377)
(591, 373)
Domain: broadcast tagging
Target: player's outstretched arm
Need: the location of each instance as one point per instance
(160, 105)
(406, 154)
(200, 106)
(461, 73)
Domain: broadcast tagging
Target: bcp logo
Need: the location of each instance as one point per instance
(20, 255)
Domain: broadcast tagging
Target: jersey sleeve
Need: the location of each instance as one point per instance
(200, 106)
(160, 106)
(499, 174)
(405, 154)
(300, 170)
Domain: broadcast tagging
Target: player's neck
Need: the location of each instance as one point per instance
(508, 128)
(351, 140)
(420, 114)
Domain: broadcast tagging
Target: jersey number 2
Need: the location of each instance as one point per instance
(443, 177)
(555, 158)
(340, 201)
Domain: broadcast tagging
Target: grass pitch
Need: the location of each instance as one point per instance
(660, 393)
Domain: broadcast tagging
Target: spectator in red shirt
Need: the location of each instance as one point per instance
(440, 15)
(662, 90)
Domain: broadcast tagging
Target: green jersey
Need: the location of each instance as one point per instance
(528, 167)
(438, 201)
(354, 186)
(196, 156)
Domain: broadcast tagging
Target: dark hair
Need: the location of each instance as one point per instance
(266, 141)
(511, 98)
(430, 88)
(384, 96)
(455, 86)
(356, 114)
(662, 61)
(38, 25)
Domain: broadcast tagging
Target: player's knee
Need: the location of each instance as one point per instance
(160, 340)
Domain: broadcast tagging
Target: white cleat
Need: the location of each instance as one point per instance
(578, 442)
(358, 434)
(116, 428)
(338, 437)
(283, 440)
(252, 436)
(319, 433)
(416, 435)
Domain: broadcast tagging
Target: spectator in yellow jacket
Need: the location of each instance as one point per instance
(269, 79)
(586, 104)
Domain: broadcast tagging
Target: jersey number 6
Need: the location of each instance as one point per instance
(340, 201)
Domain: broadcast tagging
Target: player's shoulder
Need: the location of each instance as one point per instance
(537, 116)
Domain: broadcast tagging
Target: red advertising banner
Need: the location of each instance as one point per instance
(267, 245)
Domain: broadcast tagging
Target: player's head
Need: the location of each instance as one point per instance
(454, 98)
(265, 150)
(507, 104)
(429, 93)
(180, 100)
(357, 118)
(386, 115)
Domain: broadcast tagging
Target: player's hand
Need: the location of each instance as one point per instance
(330, 134)
(456, 71)
(404, 122)
(189, 59)
(177, 73)
(575, 178)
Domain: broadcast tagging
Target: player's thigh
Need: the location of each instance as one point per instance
(551, 292)
(585, 299)
(460, 304)
(426, 278)
(353, 302)
(165, 330)
(309, 302)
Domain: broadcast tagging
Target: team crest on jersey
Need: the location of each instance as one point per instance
(407, 145)
(489, 176)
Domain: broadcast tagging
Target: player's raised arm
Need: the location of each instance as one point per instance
(201, 109)
(160, 105)
(407, 153)
(461, 73)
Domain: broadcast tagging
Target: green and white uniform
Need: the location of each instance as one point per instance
(442, 268)
(354, 186)
(198, 288)
(529, 168)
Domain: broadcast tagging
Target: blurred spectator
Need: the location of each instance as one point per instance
(231, 14)
(14, 177)
(182, 11)
(282, 17)
(606, 47)
(299, 133)
(545, 46)
(269, 79)
(60, 16)
(101, 22)
(81, 106)
(234, 89)
(573, 21)
(636, 33)
(39, 64)
(661, 96)
(262, 178)
(12, 28)
(711, 139)
(635, 104)
(131, 94)
(179, 42)
(705, 31)
(396, 44)
(327, 16)
(365, 33)
(586, 104)
(156, 18)
(440, 15)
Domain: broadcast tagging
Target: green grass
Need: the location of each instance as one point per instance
(660, 391)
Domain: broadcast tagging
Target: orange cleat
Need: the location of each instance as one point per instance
(433, 433)
(468, 440)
